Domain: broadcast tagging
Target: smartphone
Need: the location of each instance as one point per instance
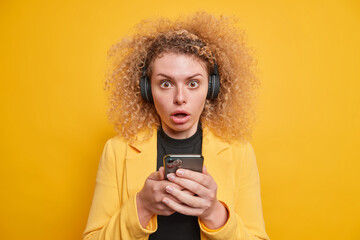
(173, 162)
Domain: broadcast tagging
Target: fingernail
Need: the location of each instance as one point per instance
(180, 172)
(171, 176)
(169, 189)
(165, 201)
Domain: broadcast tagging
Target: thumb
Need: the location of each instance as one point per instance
(157, 176)
(161, 173)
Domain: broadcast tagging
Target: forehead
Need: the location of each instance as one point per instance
(178, 62)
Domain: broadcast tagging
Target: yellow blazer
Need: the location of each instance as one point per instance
(124, 167)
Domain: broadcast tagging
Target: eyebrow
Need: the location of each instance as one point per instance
(166, 76)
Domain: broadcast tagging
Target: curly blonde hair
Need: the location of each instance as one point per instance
(202, 35)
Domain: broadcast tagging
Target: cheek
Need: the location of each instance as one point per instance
(160, 106)
(199, 103)
(158, 101)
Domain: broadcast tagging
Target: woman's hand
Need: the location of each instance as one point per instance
(149, 199)
(203, 204)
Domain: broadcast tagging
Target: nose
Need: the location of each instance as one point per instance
(180, 96)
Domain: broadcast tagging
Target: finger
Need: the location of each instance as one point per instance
(204, 170)
(188, 192)
(153, 176)
(205, 180)
(157, 176)
(190, 185)
(163, 209)
(174, 185)
(190, 200)
(183, 209)
(172, 198)
(161, 173)
(166, 213)
(164, 183)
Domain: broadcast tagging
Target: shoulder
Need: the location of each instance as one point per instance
(243, 153)
(114, 146)
(238, 147)
(242, 147)
(245, 161)
(239, 153)
(116, 141)
(120, 145)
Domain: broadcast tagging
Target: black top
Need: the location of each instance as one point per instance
(177, 226)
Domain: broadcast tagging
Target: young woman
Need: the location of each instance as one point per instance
(179, 87)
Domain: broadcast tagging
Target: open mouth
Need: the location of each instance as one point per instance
(180, 115)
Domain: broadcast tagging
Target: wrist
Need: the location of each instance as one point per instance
(143, 213)
(217, 217)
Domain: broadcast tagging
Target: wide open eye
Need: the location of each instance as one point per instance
(165, 84)
(193, 84)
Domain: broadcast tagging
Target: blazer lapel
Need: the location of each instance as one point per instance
(212, 145)
(140, 163)
(218, 161)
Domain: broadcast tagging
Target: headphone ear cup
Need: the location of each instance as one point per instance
(214, 86)
(145, 89)
(209, 93)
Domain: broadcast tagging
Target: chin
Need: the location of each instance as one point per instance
(181, 128)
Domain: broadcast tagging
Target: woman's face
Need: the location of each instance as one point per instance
(179, 85)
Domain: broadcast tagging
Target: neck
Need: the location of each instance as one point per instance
(180, 134)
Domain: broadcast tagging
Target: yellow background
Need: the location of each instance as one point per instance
(53, 122)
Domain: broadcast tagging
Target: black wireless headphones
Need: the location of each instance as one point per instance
(213, 89)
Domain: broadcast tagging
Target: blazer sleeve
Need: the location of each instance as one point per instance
(245, 220)
(110, 216)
